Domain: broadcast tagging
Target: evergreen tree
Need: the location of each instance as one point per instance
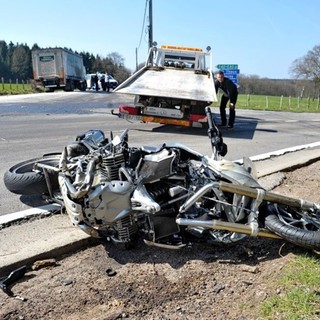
(4, 69)
(9, 55)
(21, 62)
(3, 51)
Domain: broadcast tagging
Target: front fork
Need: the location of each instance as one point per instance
(45, 168)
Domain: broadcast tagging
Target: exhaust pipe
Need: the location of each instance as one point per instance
(269, 196)
(227, 226)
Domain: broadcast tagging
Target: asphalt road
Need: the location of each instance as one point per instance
(32, 125)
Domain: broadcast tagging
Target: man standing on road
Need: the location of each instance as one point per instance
(96, 81)
(230, 92)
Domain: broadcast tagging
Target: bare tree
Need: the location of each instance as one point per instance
(308, 67)
(116, 59)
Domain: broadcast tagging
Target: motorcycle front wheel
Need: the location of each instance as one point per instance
(22, 179)
(294, 225)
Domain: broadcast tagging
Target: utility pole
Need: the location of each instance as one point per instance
(150, 31)
(150, 28)
(136, 59)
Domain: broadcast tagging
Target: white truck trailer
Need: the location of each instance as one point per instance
(174, 87)
(57, 68)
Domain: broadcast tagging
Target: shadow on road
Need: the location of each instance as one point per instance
(244, 128)
(33, 201)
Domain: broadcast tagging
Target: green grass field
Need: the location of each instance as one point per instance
(14, 88)
(276, 103)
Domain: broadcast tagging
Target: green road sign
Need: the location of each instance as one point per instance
(227, 66)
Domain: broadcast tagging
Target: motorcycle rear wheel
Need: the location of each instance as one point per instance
(294, 225)
(22, 179)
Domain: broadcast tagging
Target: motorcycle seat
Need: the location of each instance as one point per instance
(152, 149)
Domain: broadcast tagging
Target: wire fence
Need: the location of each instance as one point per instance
(281, 103)
(16, 86)
(16, 82)
(276, 103)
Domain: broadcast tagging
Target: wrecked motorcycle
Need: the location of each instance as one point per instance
(169, 194)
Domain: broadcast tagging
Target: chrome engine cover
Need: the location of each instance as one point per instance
(102, 206)
(108, 203)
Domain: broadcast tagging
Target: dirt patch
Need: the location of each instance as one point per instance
(198, 282)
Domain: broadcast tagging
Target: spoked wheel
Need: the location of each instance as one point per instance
(295, 225)
(22, 179)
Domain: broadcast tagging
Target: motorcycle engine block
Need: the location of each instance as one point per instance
(109, 168)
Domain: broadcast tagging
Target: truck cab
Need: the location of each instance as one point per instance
(174, 87)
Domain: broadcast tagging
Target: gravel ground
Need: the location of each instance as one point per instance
(198, 282)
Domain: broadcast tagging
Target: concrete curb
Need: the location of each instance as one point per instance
(51, 237)
(43, 211)
(286, 159)
(55, 236)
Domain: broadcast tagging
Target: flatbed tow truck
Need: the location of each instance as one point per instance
(174, 87)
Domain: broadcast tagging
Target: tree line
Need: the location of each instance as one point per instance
(255, 85)
(305, 80)
(305, 72)
(16, 63)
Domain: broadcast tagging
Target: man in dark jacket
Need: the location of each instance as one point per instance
(230, 92)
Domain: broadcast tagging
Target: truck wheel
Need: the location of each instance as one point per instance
(70, 86)
(21, 179)
(82, 86)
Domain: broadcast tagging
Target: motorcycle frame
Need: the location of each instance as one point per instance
(253, 193)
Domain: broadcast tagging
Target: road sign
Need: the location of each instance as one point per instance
(227, 66)
(234, 79)
(231, 71)
(232, 74)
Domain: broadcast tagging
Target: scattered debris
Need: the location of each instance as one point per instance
(13, 277)
(66, 282)
(21, 298)
(110, 272)
(43, 264)
(251, 269)
(247, 282)
(218, 288)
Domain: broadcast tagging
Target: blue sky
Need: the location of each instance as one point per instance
(263, 37)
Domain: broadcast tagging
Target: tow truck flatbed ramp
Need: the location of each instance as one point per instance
(170, 83)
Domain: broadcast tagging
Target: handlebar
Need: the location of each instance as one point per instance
(215, 136)
(209, 117)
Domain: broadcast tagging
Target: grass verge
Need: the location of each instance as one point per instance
(275, 103)
(298, 292)
(16, 88)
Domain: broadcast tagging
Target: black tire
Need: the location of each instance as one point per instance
(21, 179)
(294, 225)
(83, 86)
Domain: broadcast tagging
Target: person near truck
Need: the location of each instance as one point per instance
(108, 82)
(230, 93)
(103, 82)
(96, 81)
